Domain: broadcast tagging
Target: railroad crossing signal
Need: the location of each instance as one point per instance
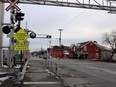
(13, 5)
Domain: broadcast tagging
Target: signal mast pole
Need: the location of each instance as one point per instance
(1, 35)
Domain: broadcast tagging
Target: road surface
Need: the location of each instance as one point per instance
(83, 73)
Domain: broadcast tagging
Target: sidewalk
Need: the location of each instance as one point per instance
(38, 76)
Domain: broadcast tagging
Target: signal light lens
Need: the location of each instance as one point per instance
(6, 30)
(48, 36)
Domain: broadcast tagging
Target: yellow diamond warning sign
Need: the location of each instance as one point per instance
(21, 36)
(18, 47)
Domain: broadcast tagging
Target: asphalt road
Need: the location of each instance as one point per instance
(82, 73)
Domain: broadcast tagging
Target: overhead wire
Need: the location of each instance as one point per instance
(84, 18)
(81, 17)
(69, 22)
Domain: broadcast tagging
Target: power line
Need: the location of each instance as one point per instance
(68, 23)
(81, 17)
(86, 17)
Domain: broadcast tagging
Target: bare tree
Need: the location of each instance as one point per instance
(110, 39)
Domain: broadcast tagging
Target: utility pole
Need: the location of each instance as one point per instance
(60, 36)
(59, 41)
(1, 35)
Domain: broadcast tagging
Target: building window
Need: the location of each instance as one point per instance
(96, 55)
(97, 48)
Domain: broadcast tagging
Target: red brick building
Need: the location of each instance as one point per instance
(85, 50)
(72, 51)
(92, 50)
(60, 52)
(57, 52)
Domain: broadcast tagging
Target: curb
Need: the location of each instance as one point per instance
(58, 77)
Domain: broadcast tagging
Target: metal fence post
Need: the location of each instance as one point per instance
(45, 64)
(48, 64)
(56, 67)
(51, 65)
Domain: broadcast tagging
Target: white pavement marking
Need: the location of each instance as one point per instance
(105, 70)
(42, 83)
(75, 63)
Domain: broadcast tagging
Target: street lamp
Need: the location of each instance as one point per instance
(60, 36)
(60, 40)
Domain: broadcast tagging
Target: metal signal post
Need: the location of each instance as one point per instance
(1, 35)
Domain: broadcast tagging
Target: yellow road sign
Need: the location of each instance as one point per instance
(21, 47)
(21, 36)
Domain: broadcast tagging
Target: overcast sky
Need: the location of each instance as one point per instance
(78, 25)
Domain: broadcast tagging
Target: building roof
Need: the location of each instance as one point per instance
(103, 48)
(83, 43)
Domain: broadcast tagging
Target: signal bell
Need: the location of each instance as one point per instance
(6, 30)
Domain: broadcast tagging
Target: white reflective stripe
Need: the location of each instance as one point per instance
(42, 83)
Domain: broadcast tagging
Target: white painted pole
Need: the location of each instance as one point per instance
(1, 34)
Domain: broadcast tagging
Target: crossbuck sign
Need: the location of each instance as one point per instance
(13, 5)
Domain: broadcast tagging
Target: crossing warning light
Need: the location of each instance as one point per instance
(48, 36)
(6, 30)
